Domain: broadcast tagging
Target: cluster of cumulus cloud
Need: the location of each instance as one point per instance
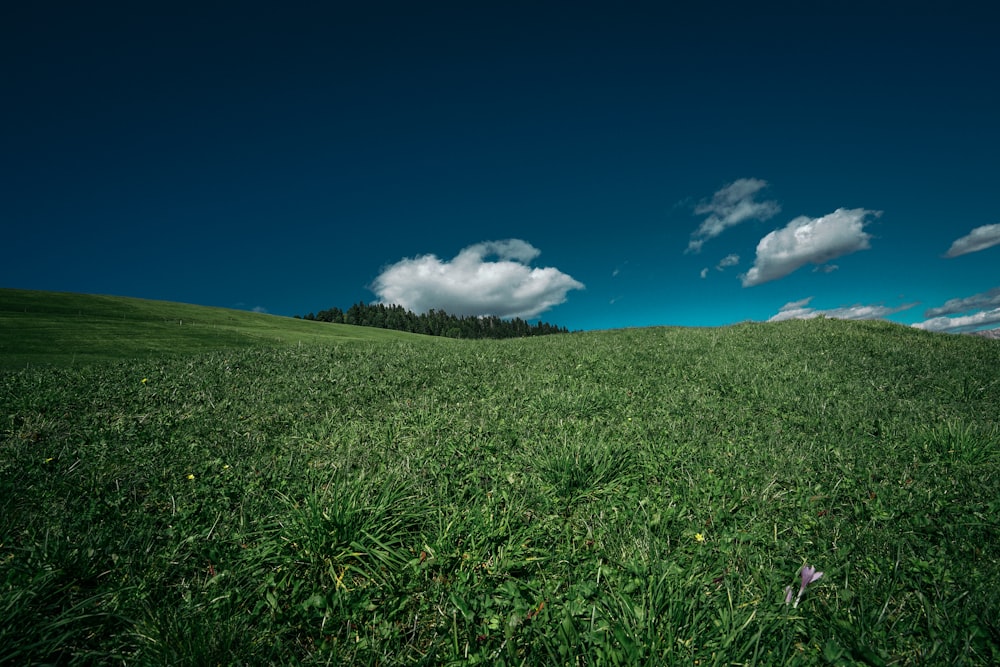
(802, 241)
(971, 313)
(818, 241)
(978, 311)
(955, 316)
(497, 278)
(490, 278)
(800, 310)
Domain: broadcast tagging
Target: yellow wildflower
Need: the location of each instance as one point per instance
(698, 537)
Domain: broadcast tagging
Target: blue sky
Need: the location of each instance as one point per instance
(595, 165)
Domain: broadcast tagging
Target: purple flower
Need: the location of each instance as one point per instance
(809, 575)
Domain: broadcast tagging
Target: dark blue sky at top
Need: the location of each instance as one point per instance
(285, 157)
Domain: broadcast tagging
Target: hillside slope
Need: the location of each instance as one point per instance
(630, 497)
(58, 328)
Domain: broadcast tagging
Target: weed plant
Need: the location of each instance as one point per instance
(632, 497)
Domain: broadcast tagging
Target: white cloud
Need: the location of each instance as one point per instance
(979, 238)
(800, 310)
(730, 206)
(986, 307)
(471, 285)
(704, 273)
(981, 320)
(794, 310)
(260, 309)
(727, 261)
(807, 240)
(988, 299)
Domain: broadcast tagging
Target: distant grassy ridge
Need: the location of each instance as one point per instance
(60, 329)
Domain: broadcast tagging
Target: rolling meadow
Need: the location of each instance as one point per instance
(188, 486)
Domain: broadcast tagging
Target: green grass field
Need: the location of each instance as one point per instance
(63, 329)
(634, 497)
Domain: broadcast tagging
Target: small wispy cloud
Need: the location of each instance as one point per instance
(730, 206)
(727, 261)
(489, 278)
(807, 240)
(978, 239)
(260, 309)
(800, 310)
(724, 263)
(979, 311)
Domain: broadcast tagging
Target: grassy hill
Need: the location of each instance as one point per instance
(54, 328)
(628, 497)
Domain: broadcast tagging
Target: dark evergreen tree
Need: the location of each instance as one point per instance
(434, 322)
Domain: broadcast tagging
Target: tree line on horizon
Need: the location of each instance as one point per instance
(433, 322)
